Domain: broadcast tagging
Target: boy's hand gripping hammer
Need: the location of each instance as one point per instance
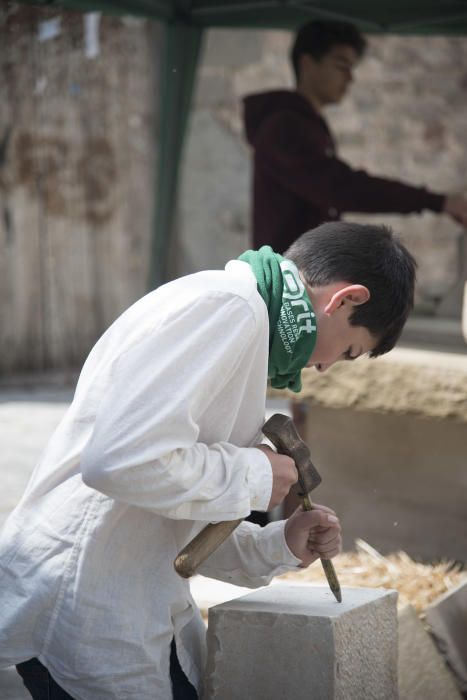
(281, 431)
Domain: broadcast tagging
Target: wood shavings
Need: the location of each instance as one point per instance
(418, 584)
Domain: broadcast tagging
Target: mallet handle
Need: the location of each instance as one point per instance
(203, 545)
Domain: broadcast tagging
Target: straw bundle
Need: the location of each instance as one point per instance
(418, 584)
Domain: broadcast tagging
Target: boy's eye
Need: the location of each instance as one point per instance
(343, 66)
(348, 354)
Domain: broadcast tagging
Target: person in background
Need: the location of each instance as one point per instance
(299, 181)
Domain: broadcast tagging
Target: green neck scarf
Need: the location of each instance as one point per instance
(292, 324)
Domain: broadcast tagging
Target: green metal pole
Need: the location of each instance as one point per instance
(179, 63)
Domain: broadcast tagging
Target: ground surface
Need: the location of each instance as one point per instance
(28, 416)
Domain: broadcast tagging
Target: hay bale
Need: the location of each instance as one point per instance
(417, 584)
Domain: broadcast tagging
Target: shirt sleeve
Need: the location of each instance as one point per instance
(251, 556)
(292, 152)
(145, 448)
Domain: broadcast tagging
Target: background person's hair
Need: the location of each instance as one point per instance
(319, 36)
(362, 254)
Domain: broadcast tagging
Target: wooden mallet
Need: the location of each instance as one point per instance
(281, 431)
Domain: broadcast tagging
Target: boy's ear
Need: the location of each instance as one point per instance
(353, 294)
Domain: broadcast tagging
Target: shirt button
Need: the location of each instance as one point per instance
(332, 212)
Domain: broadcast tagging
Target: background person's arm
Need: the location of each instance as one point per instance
(293, 155)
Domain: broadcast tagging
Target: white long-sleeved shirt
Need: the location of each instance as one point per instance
(156, 443)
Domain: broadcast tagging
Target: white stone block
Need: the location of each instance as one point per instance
(286, 642)
(423, 674)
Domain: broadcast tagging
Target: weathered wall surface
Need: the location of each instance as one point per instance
(388, 437)
(78, 118)
(404, 117)
(77, 155)
(397, 481)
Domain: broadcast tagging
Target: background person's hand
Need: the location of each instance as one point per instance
(284, 475)
(456, 206)
(313, 534)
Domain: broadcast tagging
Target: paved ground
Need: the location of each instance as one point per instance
(27, 419)
(28, 416)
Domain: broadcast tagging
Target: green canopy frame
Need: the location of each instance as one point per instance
(179, 63)
(185, 21)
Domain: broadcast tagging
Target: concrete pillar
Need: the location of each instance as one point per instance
(297, 642)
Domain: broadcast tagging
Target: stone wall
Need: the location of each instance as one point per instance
(404, 117)
(424, 383)
(78, 112)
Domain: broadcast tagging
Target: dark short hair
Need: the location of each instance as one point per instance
(319, 36)
(362, 254)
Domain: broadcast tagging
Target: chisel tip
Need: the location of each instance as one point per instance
(338, 595)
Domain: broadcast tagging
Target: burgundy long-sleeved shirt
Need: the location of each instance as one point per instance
(299, 182)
